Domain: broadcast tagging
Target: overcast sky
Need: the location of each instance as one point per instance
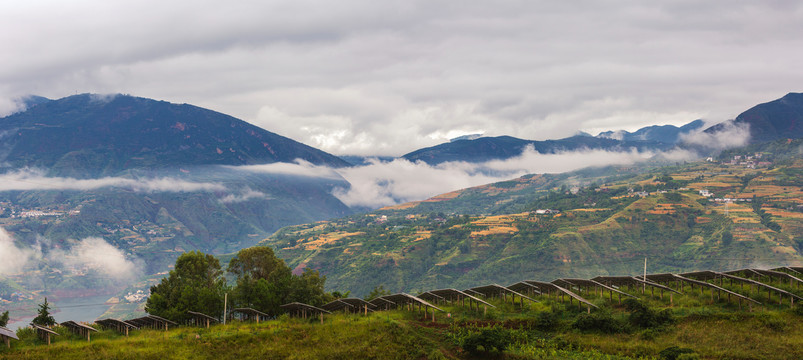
(388, 77)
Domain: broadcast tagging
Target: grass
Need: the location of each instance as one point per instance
(384, 336)
(542, 330)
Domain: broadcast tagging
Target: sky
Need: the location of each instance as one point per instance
(389, 77)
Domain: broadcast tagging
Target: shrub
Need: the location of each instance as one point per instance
(675, 353)
(648, 335)
(598, 321)
(486, 340)
(644, 317)
(548, 321)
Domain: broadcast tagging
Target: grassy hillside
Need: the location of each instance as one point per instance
(727, 213)
(650, 328)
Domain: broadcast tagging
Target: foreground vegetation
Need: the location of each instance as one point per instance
(636, 329)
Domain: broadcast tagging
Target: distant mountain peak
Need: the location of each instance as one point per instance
(669, 134)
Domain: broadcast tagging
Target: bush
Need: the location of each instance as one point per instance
(644, 317)
(598, 321)
(548, 321)
(676, 353)
(486, 340)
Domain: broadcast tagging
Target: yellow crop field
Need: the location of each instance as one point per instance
(313, 243)
(784, 214)
(422, 235)
(408, 205)
(770, 190)
(497, 230)
(710, 184)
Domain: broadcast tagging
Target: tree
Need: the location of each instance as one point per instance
(4, 319)
(727, 238)
(44, 318)
(259, 262)
(196, 284)
(265, 283)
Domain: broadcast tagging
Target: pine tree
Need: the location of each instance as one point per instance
(44, 318)
(4, 319)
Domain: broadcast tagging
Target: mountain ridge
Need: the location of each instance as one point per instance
(505, 147)
(87, 133)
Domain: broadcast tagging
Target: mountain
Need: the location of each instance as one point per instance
(777, 119)
(719, 214)
(33, 100)
(152, 180)
(669, 134)
(505, 147)
(93, 135)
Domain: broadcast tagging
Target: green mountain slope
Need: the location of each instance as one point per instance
(751, 218)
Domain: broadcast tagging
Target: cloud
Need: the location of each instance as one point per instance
(386, 183)
(95, 253)
(102, 98)
(385, 78)
(31, 179)
(89, 253)
(244, 195)
(12, 258)
(730, 135)
(382, 183)
(298, 168)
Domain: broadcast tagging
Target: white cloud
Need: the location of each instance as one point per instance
(89, 253)
(12, 258)
(244, 195)
(731, 135)
(299, 168)
(386, 183)
(31, 179)
(381, 184)
(96, 253)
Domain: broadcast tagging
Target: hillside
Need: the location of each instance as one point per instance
(728, 213)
